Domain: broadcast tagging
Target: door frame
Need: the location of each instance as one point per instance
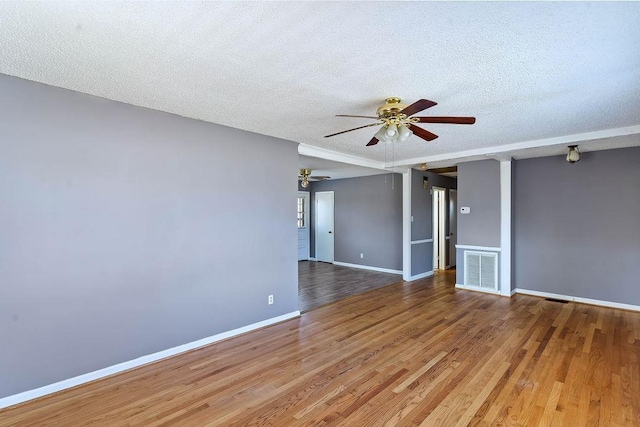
(307, 196)
(439, 238)
(315, 225)
(453, 212)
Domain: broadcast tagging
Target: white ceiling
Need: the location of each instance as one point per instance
(533, 74)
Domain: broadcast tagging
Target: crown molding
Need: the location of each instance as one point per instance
(496, 150)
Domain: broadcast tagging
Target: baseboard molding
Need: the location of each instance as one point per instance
(367, 267)
(581, 300)
(421, 276)
(312, 259)
(484, 291)
(135, 363)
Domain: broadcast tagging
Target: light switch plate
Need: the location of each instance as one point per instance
(465, 210)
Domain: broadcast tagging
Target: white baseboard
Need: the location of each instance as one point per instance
(312, 259)
(366, 267)
(475, 289)
(602, 303)
(135, 363)
(421, 276)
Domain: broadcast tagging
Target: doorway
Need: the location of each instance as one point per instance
(453, 226)
(324, 220)
(303, 226)
(439, 237)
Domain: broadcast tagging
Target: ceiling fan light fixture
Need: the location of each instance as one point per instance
(573, 155)
(304, 183)
(404, 132)
(392, 130)
(422, 166)
(381, 135)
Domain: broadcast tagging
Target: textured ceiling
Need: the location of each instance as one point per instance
(527, 71)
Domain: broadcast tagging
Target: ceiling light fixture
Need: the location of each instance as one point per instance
(573, 155)
(422, 166)
(304, 173)
(394, 132)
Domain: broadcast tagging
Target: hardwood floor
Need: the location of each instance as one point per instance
(320, 283)
(408, 354)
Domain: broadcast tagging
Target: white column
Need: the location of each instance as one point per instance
(406, 224)
(505, 227)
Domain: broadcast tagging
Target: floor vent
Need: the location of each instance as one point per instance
(561, 301)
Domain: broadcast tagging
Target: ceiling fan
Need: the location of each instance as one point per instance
(398, 124)
(305, 175)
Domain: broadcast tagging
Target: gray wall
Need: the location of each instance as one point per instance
(127, 231)
(577, 228)
(422, 212)
(478, 189)
(368, 219)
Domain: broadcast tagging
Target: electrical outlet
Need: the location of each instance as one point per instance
(270, 299)
(361, 255)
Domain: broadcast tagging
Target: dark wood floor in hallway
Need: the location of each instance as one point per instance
(321, 283)
(408, 354)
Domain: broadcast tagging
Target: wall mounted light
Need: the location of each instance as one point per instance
(573, 155)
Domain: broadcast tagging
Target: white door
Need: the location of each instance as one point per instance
(453, 226)
(303, 226)
(324, 226)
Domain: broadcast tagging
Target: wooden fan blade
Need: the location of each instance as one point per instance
(345, 131)
(319, 178)
(418, 106)
(422, 133)
(451, 120)
(373, 141)
(362, 117)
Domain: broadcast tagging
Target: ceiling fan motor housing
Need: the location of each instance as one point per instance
(391, 108)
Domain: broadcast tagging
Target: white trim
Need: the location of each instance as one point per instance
(406, 224)
(505, 227)
(307, 207)
(479, 248)
(513, 292)
(417, 242)
(421, 276)
(478, 289)
(312, 151)
(367, 267)
(313, 259)
(135, 363)
(581, 300)
(560, 140)
(322, 153)
(439, 238)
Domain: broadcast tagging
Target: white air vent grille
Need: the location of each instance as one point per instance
(481, 270)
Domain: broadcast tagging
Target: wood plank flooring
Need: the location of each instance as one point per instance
(408, 354)
(320, 283)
